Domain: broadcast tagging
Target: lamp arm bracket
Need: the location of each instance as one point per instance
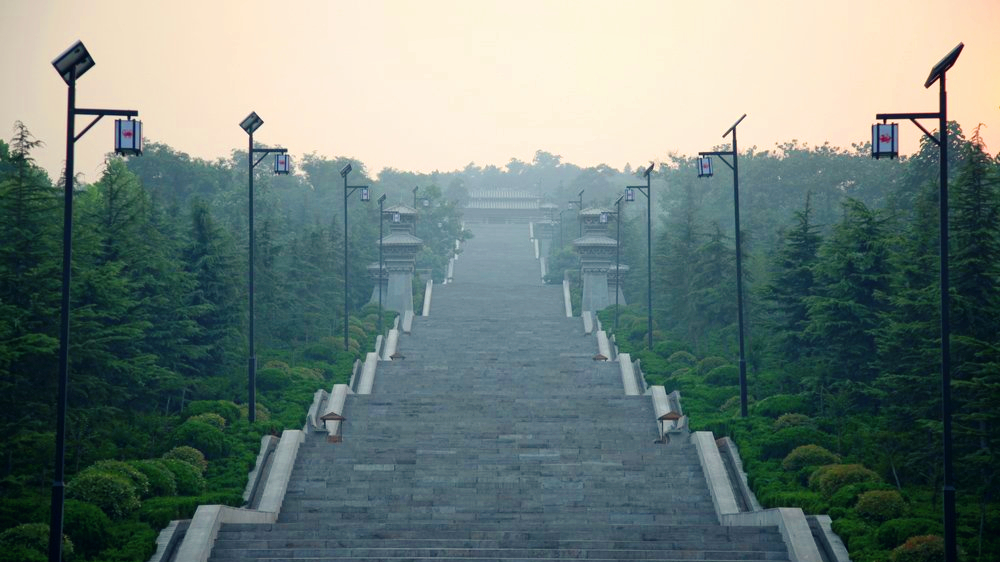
(642, 189)
(87, 128)
(264, 152)
(722, 156)
(933, 138)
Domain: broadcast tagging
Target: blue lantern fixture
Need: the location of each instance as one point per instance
(128, 137)
(629, 194)
(365, 194)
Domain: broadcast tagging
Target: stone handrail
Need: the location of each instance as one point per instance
(335, 405)
(204, 528)
(588, 322)
(566, 299)
(312, 416)
(603, 347)
(628, 375)
(427, 297)
(407, 321)
(367, 380)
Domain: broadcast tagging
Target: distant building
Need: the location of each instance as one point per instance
(503, 206)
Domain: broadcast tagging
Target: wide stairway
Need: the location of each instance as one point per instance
(497, 437)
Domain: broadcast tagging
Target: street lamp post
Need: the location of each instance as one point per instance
(579, 207)
(381, 201)
(569, 207)
(72, 64)
(348, 190)
(618, 245)
(735, 166)
(250, 124)
(630, 196)
(884, 144)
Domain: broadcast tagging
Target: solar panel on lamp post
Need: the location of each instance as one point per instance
(884, 144)
(73, 63)
(249, 124)
(704, 171)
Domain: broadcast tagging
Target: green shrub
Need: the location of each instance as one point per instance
(682, 357)
(725, 375)
(87, 526)
(125, 470)
(307, 374)
(113, 493)
(202, 436)
(849, 528)
(847, 496)
(158, 512)
(228, 410)
(212, 419)
(895, 532)
(272, 379)
(779, 444)
(709, 363)
(830, 478)
(189, 480)
(780, 404)
(808, 455)
(928, 548)
(880, 505)
(793, 420)
(190, 455)
(132, 540)
(665, 348)
(161, 480)
(810, 502)
(29, 542)
(263, 414)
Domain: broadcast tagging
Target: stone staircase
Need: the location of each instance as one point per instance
(497, 437)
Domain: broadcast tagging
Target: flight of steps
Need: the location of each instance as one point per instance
(497, 437)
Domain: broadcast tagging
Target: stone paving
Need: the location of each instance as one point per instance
(497, 437)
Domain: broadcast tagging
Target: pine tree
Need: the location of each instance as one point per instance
(792, 283)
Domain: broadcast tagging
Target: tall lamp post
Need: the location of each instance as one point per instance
(618, 249)
(250, 124)
(72, 64)
(885, 144)
(579, 207)
(705, 171)
(365, 196)
(381, 201)
(569, 207)
(629, 197)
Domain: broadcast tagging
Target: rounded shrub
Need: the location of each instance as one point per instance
(113, 493)
(87, 526)
(880, 505)
(927, 548)
(189, 480)
(202, 436)
(272, 379)
(709, 363)
(793, 420)
(810, 502)
(851, 529)
(228, 410)
(682, 357)
(808, 455)
(780, 404)
(307, 374)
(779, 444)
(263, 414)
(212, 419)
(895, 532)
(161, 480)
(190, 455)
(724, 375)
(28, 542)
(125, 470)
(847, 496)
(830, 478)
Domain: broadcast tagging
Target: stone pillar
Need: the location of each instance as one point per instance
(597, 257)
(373, 273)
(615, 281)
(544, 231)
(399, 252)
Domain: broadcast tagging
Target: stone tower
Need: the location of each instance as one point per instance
(399, 252)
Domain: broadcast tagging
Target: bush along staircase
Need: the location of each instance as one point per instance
(500, 429)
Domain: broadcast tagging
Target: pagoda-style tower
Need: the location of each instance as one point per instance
(399, 252)
(597, 257)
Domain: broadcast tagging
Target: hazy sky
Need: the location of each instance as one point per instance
(425, 85)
